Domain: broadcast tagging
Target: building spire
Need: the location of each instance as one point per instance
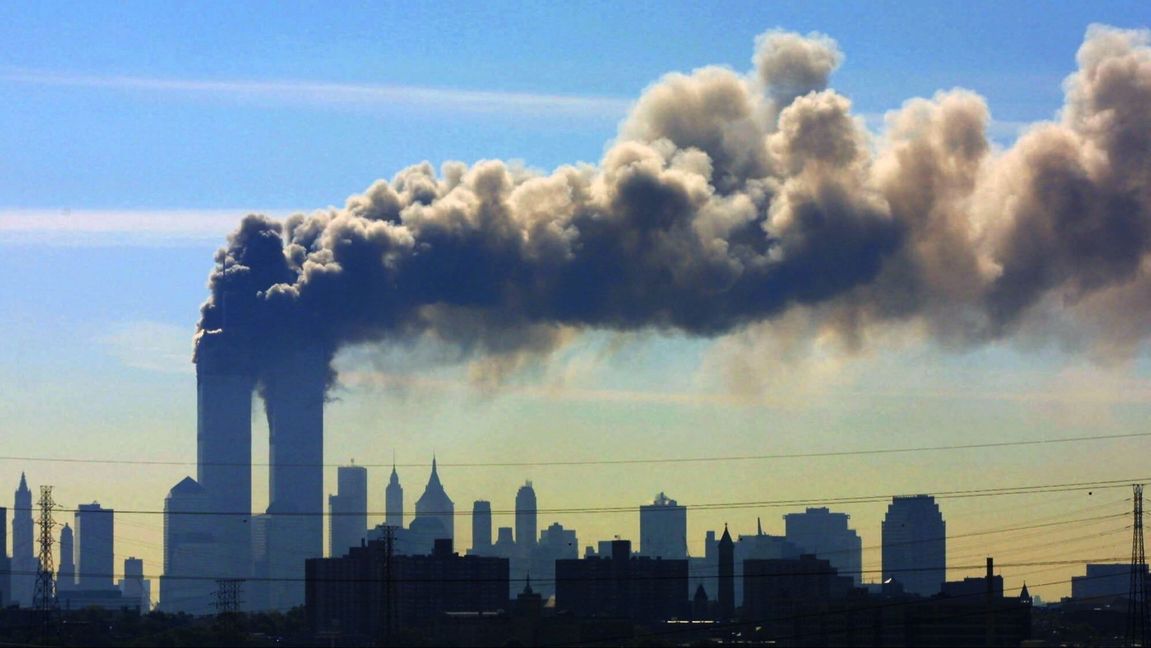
(23, 482)
(758, 526)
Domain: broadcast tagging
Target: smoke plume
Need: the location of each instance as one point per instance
(727, 200)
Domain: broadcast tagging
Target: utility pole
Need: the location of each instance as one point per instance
(1137, 617)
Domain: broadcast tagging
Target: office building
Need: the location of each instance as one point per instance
(620, 585)
(481, 528)
(394, 501)
(66, 575)
(435, 511)
(5, 561)
(190, 551)
(824, 534)
(556, 543)
(726, 576)
(1103, 583)
(25, 564)
(663, 529)
(349, 510)
(915, 544)
(134, 588)
(224, 451)
(779, 591)
(526, 518)
(294, 389)
(364, 595)
(95, 561)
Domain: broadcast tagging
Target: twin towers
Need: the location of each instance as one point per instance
(268, 548)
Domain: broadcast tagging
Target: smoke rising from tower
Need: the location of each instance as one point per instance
(729, 199)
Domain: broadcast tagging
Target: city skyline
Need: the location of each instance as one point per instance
(104, 278)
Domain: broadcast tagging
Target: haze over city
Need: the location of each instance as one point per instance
(757, 258)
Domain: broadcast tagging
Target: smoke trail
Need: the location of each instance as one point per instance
(730, 199)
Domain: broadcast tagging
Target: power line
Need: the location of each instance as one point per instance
(713, 506)
(658, 577)
(609, 462)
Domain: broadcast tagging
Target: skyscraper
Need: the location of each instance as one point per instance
(134, 587)
(24, 561)
(294, 397)
(190, 551)
(915, 544)
(224, 451)
(349, 510)
(94, 539)
(825, 534)
(435, 506)
(66, 577)
(726, 577)
(5, 561)
(481, 528)
(663, 529)
(526, 518)
(394, 501)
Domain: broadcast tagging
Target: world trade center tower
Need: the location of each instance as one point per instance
(224, 454)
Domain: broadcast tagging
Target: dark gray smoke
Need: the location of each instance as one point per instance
(729, 199)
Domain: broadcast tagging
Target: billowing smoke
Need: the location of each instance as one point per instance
(729, 199)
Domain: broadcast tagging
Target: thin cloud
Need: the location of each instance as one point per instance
(326, 94)
(68, 227)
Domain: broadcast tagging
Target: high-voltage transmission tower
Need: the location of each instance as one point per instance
(44, 597)
(227, 595)
(1137, 617)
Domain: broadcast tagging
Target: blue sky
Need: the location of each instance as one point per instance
(133, 134)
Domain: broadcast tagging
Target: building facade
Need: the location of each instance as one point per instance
(95, 547)
(348, 524)
(370, 593)
(826, 535)
(915, 544)
(663, 529)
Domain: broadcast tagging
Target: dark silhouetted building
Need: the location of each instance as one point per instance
(190, 551)
(95, 531)
(726, 576)
(5, 561)
(25, 564)
(66, 576)
(134, 588)
(394, 501)
(526, 518)
(505, 546)
(481, 528)
(1103, 583)
(556, 543)
(365, 595)
(620, 585)
(759, 546)
(826, 535)
(663, 529)
(435, 512)
(777, 592)
(915, 544)
(349, 509)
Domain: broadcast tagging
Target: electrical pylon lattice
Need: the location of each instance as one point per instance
(1137, 618)
(45, 594)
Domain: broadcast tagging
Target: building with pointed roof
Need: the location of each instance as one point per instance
(25, 564)
(435, 505)
(726, 598)
(394, 500)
